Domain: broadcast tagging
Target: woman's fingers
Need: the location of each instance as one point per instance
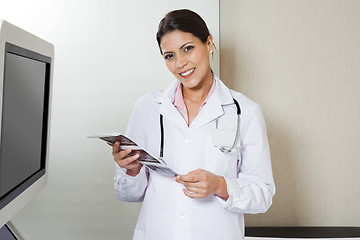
(116, 148)
(124, 161)
(192, 194)
(198, 183)
(200, 188)
(122, 158)
(122, 154)
(192, 176)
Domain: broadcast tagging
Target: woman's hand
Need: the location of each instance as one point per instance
(201, 183)
(131, 163)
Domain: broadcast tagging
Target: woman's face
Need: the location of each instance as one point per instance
(187, 57)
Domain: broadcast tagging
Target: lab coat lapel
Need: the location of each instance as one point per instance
(168, 110)
(214, 107)
(210, 111)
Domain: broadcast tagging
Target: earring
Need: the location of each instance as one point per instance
(211, 52)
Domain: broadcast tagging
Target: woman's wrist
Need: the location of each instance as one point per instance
(133, 172)
(222, 188)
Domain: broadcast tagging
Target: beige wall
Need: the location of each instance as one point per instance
(301, 61)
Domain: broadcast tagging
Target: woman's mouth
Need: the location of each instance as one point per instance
(187, 73)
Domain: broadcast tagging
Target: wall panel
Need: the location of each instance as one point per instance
(300, 60)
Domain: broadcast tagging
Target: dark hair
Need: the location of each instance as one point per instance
(184, 20)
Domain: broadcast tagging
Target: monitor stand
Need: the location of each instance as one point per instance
(8, 232)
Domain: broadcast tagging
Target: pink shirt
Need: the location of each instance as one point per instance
(179, 102)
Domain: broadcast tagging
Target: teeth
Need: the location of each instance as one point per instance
(187, 72)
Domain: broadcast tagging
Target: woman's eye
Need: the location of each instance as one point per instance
(188, 48)
(169, 56)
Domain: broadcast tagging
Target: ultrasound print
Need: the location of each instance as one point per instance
(144, 156)
(123, 140)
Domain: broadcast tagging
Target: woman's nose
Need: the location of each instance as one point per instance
(181, 61)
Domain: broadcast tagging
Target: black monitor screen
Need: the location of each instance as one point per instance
(24, 119)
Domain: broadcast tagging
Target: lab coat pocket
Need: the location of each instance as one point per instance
(223, 137)
(218, 162)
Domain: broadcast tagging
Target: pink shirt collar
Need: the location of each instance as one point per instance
(179, 102)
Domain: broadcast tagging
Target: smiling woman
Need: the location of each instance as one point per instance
(186, 43)
(188, 59)
(214, 187)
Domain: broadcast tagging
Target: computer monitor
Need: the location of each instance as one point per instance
(26, 69)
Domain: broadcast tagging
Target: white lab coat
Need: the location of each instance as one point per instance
(167, 213)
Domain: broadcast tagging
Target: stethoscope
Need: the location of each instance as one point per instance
(222, 149)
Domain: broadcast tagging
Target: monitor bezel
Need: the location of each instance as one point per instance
(20, 37)
(26, 53)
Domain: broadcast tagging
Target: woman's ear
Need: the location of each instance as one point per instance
(210, 44)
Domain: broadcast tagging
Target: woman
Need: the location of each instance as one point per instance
(216, 185)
